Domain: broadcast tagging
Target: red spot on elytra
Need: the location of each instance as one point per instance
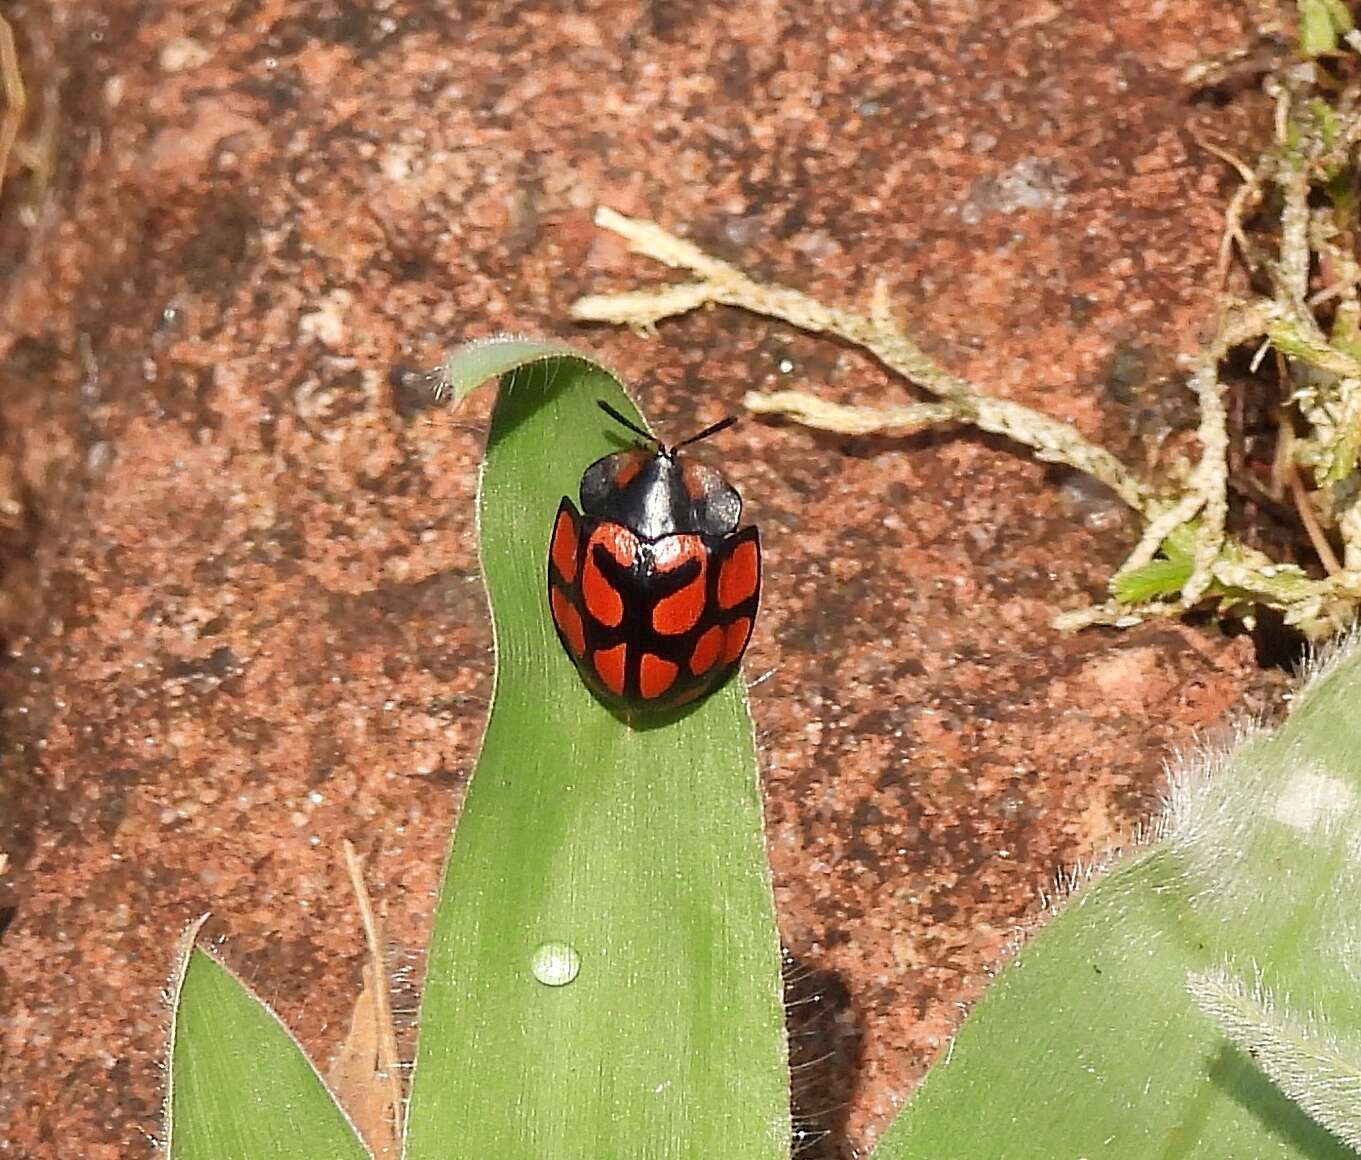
(655, 675)
(670, 552)
(602, 599)
(564, 551)
(706, 650)
(680, 611)
(735, 639)
(568, 620)
(609, 666)
(741, 572)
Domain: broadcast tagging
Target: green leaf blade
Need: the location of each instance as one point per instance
(641, 848)
(1088, 1044)
(491, 358)
(1301, 1056)
(1151, 581)
(1322, 22)
(241, 1087)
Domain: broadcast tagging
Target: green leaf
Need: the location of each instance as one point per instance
(1301, 1056)
(1327, 125)
(1341, 15)
(1088, 1043)
(634, 852)
(240, 1086)
(1321, 23)
(1345, 452)
(1341, 189)
(1164, 576)
(472, 365)
(1345, 333)
(1155, 579)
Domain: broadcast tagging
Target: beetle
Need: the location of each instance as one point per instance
(652, 587)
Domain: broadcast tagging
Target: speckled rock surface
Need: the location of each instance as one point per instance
(241, 596)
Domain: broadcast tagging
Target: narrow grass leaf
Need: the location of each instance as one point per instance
(603, 979)
(240, 1086)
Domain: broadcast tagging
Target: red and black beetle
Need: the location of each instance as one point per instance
(652, 587)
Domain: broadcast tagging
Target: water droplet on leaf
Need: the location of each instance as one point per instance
(555, 964)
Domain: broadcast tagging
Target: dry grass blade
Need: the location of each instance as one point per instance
(16, 98)
(877, 332)
(366, 1074)
(812, 411)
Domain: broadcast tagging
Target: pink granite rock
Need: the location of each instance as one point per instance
(241, 597)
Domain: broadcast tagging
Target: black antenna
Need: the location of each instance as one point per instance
(632, 426)
(711, 429)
